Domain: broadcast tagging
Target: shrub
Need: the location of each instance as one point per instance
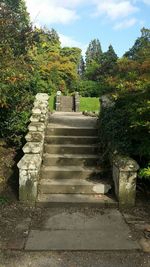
(125, 126)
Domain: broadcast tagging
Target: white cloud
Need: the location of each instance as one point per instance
(50, 11)
(68, 3)
(71, 42)
(115, 9)
(125, 24)
(68, 41)
(146, 2)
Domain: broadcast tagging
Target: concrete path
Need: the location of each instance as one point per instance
(76, 230)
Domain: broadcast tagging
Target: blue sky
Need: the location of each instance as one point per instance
(116, 22)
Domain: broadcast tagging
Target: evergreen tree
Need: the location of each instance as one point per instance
(81, 67)
(94, 52)
(141, 48)
(109, 61)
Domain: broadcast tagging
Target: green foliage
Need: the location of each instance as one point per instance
(3, 200)
(89, 88)
(109, 62)
(52, 102)
(145, 172)
(141, 49)
(81, 67)
(94, 52)
(89, 104)
(31, 61)
(125, 127)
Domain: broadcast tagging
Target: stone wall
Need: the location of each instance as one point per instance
(30, 164)
(124, 169)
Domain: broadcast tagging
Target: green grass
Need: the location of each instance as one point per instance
(89, 104)
(52, 102)
(86, 103)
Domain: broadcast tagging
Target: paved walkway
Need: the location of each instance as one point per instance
(73, 237)
(80, 230)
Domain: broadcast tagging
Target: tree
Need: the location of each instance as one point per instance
(141, 48)
(15, 26)
(72, 53)
(109, 62)
(81, 67)
(94, 52)
(46, 40)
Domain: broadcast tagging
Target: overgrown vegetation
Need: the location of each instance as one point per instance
(126, 126)
(31, 61)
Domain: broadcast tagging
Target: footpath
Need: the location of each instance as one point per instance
(73, 237)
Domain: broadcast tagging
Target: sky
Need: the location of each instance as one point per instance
(115, 22)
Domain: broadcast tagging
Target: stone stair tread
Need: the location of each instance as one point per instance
(71, 136)
(76, 198)
(62, 113)
(70, 145)
(54, 125)
(73, 182)
(72, 168)
(76, 156)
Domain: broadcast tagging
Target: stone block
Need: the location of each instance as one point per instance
(36, 111)
(29, 168)
(36, 126)
(30, 162)
(124, 176)
(42, 97)
(107, 101)
(35, 118)
(28, 190)
(35, 137)
(33, 148)
(40, 104)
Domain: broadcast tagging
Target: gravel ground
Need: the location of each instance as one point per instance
(74, 259)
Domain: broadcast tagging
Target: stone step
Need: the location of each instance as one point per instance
(70, 131)
(73, 121)
(71, 149)
(77, 200)
(62, 114)
(70, 159)
(70, 172)
(62, 139)
(73, 186)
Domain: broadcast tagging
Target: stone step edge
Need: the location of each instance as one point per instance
(72, 168)
(71, 136)
(74, 182)
(52, 126)
(76, 199)
(71, 145)
(70, 156)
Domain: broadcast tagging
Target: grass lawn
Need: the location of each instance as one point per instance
(52, 102)
(86, 103)
(89, 104)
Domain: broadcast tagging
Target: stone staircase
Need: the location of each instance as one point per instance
(70, 171)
